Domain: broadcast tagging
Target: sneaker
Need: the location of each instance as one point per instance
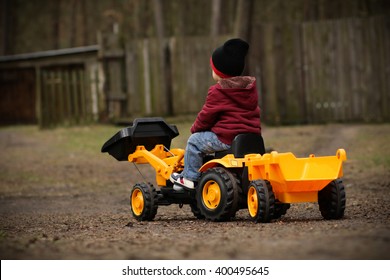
(180, 181)
(178, 188)
(174, 176)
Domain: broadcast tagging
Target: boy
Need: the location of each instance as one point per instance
(231, 108)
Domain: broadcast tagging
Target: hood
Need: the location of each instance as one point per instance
(241, 89)
(239, 82)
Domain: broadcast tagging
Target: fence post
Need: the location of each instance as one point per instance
(112, 55)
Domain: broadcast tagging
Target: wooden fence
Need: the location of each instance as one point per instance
(64, 96)
(52, 88)
(185, 69)
(17, 96)
(313, 72)
(324, 71)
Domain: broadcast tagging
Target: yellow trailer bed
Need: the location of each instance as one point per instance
(296, 179)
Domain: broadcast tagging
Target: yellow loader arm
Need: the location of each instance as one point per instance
(164, 162)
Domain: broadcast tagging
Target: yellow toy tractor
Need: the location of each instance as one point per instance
(242, 177)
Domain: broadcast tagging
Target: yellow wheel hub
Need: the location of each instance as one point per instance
(211, 194)
(137, 202)
(253, 203)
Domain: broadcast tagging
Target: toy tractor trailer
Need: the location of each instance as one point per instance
(242, 177)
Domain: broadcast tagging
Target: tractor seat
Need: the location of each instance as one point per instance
(243, 144)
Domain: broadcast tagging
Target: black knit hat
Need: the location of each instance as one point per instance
(228, 60)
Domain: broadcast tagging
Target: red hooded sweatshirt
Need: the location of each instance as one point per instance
(231, 108)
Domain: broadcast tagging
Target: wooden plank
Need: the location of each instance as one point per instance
(279, 59)
(386, 69)
(68, 97)
(297, 90)
(178, 72)
(133, 106)
(157, 82)
(377, 54)
(53, 106)
(341, 66)
(75, 96)
(49, 99)
(308, 58)
(147, 82)
(272, 113)
(356, 43)
(82, 106)
(43, 99)
(365, 72)
(98, 99)
(38, 101)
(373, 94)
(60, 97)
(319, 74)
(292, 73)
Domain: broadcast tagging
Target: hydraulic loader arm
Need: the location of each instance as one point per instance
(164, 162)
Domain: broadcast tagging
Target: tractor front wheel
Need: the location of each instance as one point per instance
(217, 194)
(261, 201)
(331, 200)
(195, 210)
(143, 202)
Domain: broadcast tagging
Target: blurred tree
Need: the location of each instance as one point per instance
(215, 18)
(243, 21)
(159, 19)
(165, 65)
(64, 24)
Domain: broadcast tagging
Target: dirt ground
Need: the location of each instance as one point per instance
(60, 198)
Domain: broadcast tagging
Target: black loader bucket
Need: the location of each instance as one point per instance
(147, 132)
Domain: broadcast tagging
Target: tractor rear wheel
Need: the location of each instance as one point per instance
(331, 200)
(143, 202)
(217, 194)
(261, 201)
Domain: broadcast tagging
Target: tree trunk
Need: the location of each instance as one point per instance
(243, 23)
(164, 56)
(242, 26)
(215, 18)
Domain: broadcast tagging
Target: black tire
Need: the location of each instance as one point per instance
(143, 202)
(216, 194)
(332, 199)
(237, 193)
(195, 210)
(261, 201)
(280, 209)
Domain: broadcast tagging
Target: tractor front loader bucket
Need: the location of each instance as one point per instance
(147, 132)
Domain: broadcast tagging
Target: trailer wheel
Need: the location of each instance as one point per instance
(261, 201)
(331, 200)
(143, 202)
(216, 194)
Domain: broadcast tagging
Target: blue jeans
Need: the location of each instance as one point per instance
(198, 145)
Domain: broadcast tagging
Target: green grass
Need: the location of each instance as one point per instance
(88, 139)
(381, 160)
(3, 235)
(372, 145)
